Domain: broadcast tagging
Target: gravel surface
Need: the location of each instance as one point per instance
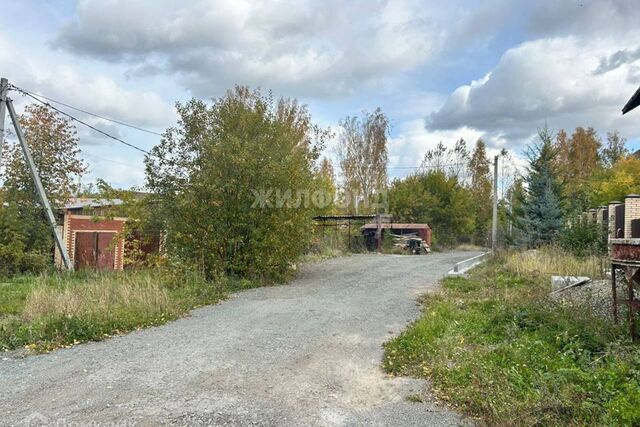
(306, 353)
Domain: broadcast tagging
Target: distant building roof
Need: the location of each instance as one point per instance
(83, 202)
(632, 103)
(397, 226)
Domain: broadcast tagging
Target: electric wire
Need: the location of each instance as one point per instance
(88, 112)
(115, 138)
(85, 154)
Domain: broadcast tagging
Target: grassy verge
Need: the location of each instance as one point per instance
(54, 310)
(498, 348)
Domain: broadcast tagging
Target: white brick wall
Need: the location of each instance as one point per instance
(631, 212)
(612, 219)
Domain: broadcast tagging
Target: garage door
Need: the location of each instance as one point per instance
(94, 250)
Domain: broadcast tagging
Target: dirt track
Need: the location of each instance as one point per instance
(307, 353)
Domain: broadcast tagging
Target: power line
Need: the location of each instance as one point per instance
(109, 160)
(115, 138)
(88, 112)
(431, 166)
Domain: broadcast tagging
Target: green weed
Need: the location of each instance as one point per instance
(498, 348)
(60, 309)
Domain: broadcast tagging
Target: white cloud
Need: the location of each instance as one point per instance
(302, 48)
(552, 80)
(412, 141)
(584, 18)
(97, 93)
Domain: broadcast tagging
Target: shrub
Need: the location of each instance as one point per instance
(584, 239)
(21, 246)
(218, 179)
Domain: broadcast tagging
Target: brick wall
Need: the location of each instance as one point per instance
(631, 212)
(612, 219)
(602, 217)
(83, 223)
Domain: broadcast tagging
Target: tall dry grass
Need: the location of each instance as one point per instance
(553, 261)
(103, 295)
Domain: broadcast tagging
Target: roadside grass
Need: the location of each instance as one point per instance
(495, 346)
(553, 260)
(61, 309)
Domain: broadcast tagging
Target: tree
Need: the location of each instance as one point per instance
(54, 147)
(436, 199)
(452, 161)
(362, 152)
(578, 159)
(615, 149)
(616, 183)
(233, 183)
(436, 159)
(326, 183)
(542, 208)
(481, 188)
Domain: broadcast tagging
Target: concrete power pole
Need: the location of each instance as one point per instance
(42, 196)
(4, 84)
(494, 222)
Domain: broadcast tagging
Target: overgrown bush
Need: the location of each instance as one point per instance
(233, 184)
(22, 249)
(584, 239)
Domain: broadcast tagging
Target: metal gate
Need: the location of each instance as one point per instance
(94, 250)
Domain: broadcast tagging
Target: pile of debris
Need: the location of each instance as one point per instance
(595, 294)
(411, 243)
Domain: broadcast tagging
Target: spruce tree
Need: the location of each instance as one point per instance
(543, 208)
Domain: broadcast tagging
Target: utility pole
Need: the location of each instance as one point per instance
(4, 84)
(494, 223)
(378, 233)
(42, 196)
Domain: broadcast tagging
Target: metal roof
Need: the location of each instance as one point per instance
(81, 203)
(398, 226)
(632, 103)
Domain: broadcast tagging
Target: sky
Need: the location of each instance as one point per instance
(497, 69)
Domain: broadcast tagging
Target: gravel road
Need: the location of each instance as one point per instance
(306, 353)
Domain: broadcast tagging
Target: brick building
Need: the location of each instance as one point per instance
(93, 238)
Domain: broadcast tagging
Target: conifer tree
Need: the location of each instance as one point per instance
(543, 211)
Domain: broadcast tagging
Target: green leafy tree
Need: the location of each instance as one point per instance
(617, 182)
(481, 189)
(542, 207)
(54, 147)
(436, 199)
(578, 159)
(326, 184)
(233, 184)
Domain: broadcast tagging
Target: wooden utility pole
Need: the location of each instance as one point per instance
(42, 196)
(494, 222)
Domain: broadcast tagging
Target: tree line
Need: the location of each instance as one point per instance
(234, 185)
(566, 175)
